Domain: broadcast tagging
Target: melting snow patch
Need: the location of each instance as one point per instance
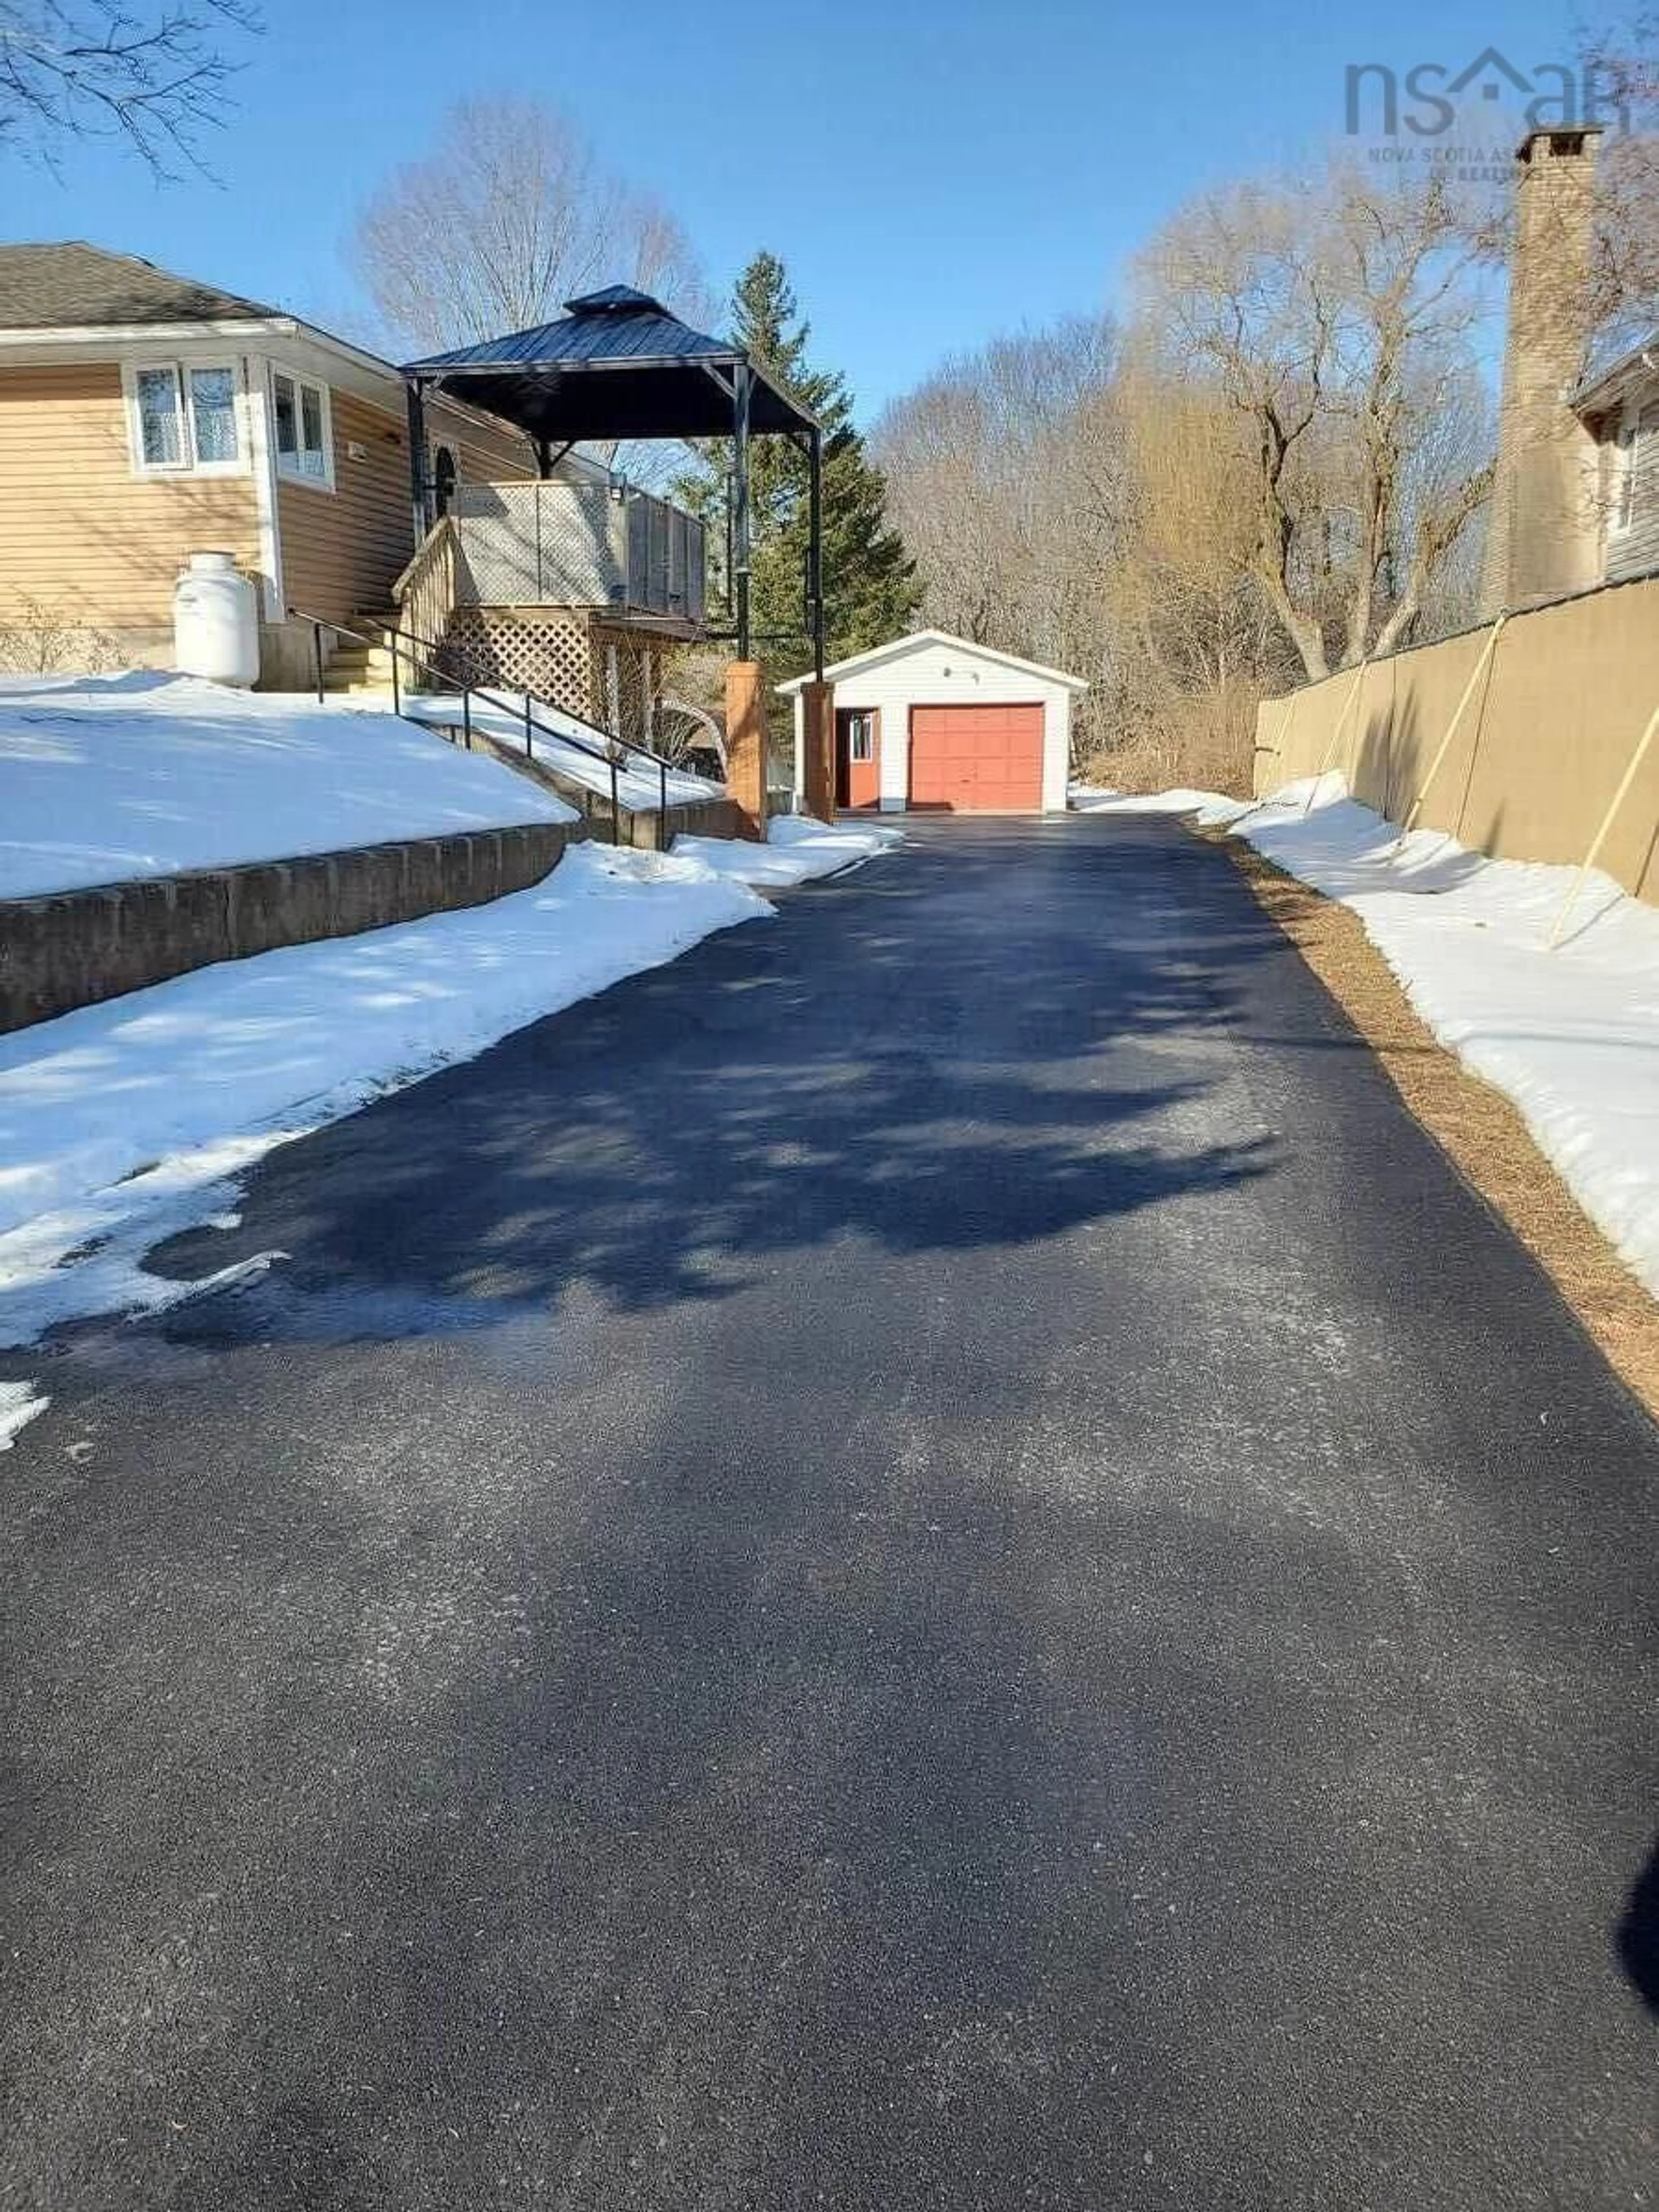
(1211, 806)
(1570, 1035)
(19, 1404)
(796, 849)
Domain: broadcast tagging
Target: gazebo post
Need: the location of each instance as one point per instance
(742, 391)
(817, 698)
(815, 549)
(420, 489)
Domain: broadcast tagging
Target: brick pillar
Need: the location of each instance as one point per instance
(745, 744)
(817, 703)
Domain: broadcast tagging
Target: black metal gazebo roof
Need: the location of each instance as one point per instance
(618, 365)
(615, 365)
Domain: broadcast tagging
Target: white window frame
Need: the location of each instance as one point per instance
(286, 469)
(1623, 505)
(180, 367)
(861, 731)
(1635, 447)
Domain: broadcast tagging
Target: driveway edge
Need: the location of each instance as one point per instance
(1480, 1130)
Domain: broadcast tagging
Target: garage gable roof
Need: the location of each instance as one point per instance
(900, 648)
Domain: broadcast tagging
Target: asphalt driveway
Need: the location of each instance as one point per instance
(931, 1559)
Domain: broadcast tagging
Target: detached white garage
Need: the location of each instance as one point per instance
(933, 722)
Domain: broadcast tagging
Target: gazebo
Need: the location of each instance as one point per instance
(619, 365)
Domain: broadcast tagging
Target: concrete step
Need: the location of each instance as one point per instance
(372, 663)
(378, 627)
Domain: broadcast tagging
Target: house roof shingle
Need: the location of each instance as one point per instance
(74, 286)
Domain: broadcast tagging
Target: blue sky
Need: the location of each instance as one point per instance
(931, 175)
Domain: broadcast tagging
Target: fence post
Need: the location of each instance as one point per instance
(466, 718)
(317, 658)
(529, 742)
(662, 807)
(1332, 750)
(1599, 838)
(396, 689)
(1444, 746)
(616, 805)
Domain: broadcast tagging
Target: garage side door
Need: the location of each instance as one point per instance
(976, 759)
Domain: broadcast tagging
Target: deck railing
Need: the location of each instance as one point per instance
(424, 595)
(557, 543)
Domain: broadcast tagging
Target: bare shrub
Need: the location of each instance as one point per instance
(36, 640)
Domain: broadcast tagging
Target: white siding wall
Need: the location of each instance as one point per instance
(950, 676)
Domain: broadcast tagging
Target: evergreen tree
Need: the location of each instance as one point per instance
(871, 592)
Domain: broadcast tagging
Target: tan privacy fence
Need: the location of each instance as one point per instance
(1554, 712)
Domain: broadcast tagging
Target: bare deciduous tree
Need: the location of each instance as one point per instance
(1281, 470)
(1621, 61)
(1003, 480)
(510, 215)
(155, 76)
(1336, 318)
(1194, 637)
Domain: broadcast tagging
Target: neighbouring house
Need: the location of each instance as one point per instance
(1619, 408)
(145, 417)
(934, 722)
(1574, 498)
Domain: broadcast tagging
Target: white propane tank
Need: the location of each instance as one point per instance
(216, 620)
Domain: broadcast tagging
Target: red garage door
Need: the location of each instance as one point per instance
(976, 759)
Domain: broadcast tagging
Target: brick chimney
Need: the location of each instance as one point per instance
(1543, 537)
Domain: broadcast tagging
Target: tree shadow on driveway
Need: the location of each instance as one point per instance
(949, 1051)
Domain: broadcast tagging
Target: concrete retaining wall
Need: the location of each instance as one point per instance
(1539, 753)
(73, 948)
(706, 817)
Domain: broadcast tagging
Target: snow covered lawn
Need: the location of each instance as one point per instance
(639, 780)
(124, 1123)
(796, 849)
(106, 777)
(1571, 1036)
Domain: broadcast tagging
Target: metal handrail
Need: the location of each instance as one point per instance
(469, 692)
(433, 644)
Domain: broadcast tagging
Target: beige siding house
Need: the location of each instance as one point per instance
(144, 417)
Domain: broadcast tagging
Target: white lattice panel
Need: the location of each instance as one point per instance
(547, 654)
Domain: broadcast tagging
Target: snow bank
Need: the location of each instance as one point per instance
(103, 778)
(124, 1123)
(19, 1404)
(1210, 806)
(1571, 1036)
(639, 780)
(796, 849)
